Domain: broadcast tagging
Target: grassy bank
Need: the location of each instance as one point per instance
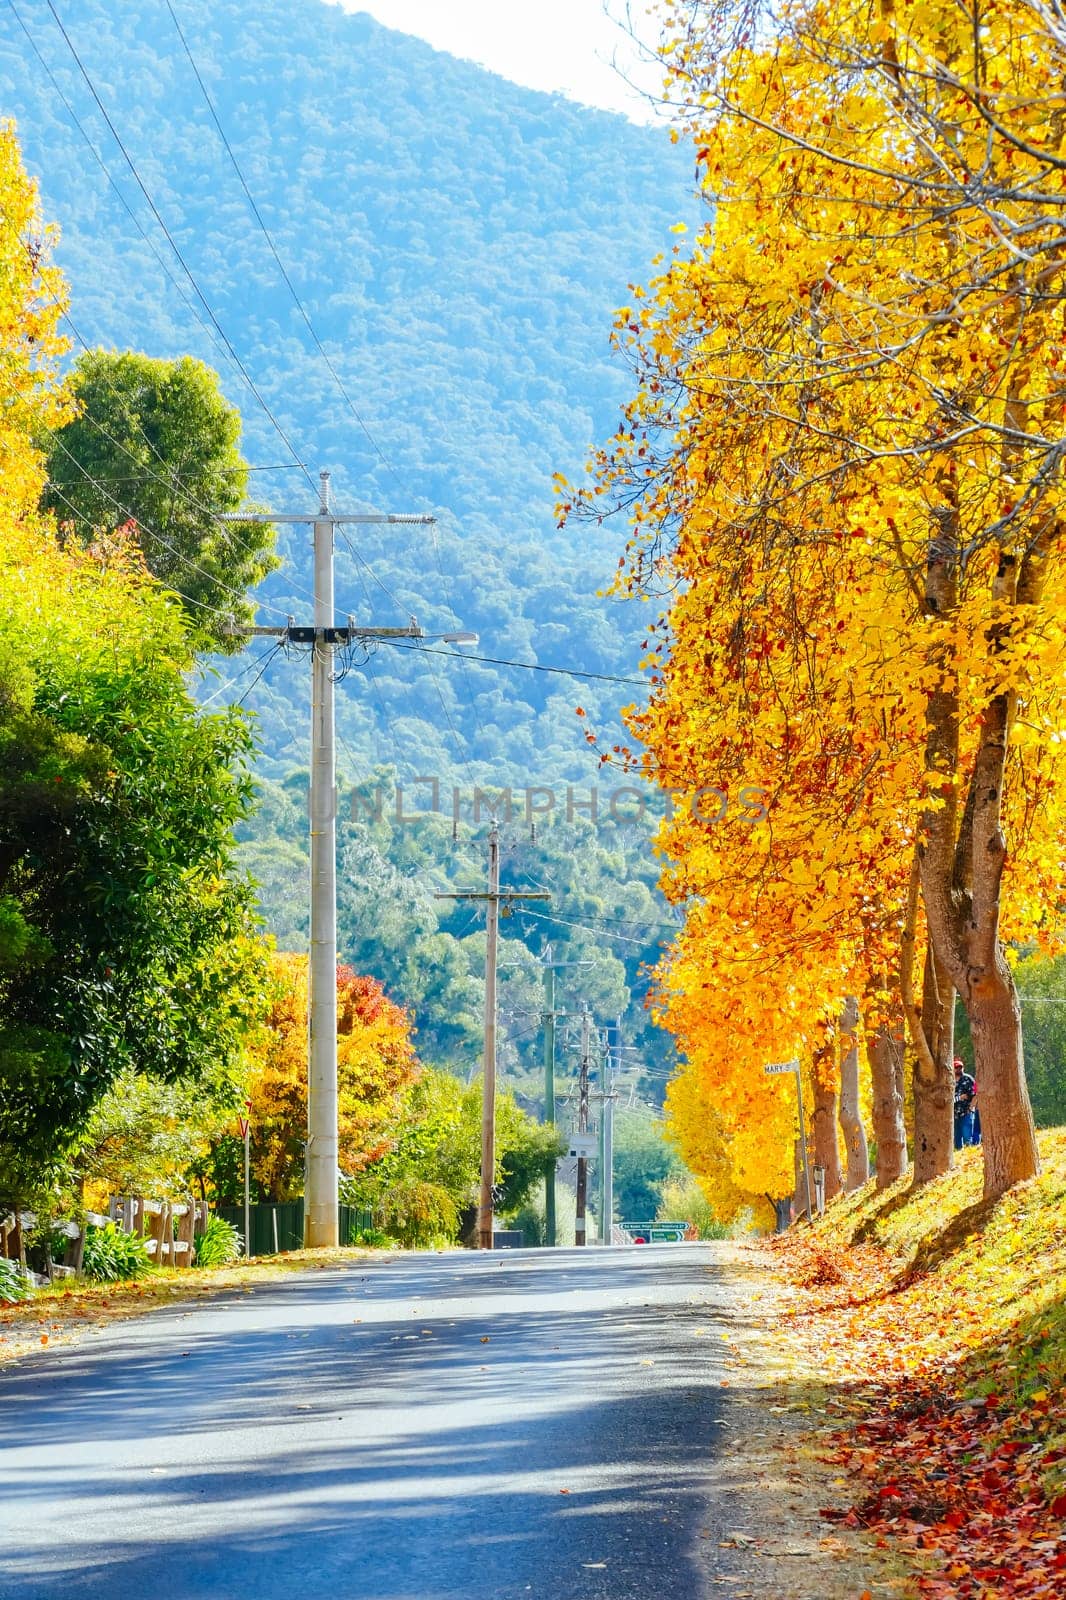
(938, 1323)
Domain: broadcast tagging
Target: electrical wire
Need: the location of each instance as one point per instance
(131, 517)
(227, 531)
(239, 364)
(362, 563)
(334, 374)
(112, 477)
(294, 466)
(609, 933)
(527, 666)
(231, 683)
(186, 599)
(267, 659)
(101, 163)
(257, 214)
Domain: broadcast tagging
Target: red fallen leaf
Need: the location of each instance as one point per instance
(1058, 1506)
(955, 1519)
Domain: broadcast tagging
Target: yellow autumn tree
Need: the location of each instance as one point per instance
(33, 296)
(844, 464)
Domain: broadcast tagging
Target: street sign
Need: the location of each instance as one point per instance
(242, 1123)
(782, 1066)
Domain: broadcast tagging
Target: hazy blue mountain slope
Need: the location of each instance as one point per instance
(459, 244)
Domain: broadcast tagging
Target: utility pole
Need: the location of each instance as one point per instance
(488, 1090)
(551, 1017)
(582, 1127)
(321, 1173)
(612, 1066)
(549, 1092)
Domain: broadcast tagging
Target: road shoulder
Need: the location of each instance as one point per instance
(772, 1477)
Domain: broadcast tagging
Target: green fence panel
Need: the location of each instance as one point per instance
(281, 1227)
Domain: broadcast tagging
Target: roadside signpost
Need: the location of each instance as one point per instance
(245, 1127)
(773, 1068)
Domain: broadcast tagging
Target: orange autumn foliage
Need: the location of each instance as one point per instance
(376, 1061)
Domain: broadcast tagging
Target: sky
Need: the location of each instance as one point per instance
(573, 47)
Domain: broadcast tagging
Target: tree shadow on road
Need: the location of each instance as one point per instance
(473, 1450)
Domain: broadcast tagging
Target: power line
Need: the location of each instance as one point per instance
(131, 517)
(527, 666)
(185, 598)
(364, 566)
(609, 933)
(263, 665)
(170, 481)
(102, 164)
(273, 248)
(246, 375)
(112, 477)
(262, 662)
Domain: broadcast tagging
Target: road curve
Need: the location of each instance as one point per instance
(518, 1426)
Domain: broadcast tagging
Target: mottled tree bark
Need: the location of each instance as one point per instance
(934, 1079)
(961, 860)
(856, 1150)
(884, 1049)
(826, 1147)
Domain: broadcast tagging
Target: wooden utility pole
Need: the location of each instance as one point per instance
(582, 1127)
(492, 899)
(549, 1093)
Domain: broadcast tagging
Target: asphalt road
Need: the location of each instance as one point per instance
(520, 1426)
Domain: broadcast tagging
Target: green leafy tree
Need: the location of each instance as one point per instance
(129, 937)
(147, 1137)
(643, 1162)
(155, 444)
(421, 1186)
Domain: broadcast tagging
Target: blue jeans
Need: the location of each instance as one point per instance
(964, 1129)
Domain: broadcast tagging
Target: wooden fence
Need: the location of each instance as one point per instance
(169, 1229)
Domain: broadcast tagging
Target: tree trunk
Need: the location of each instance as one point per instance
(856, 1151)
(884, 1049)
(962, 857)
(782, 1214)
(1008, 1134)
(826, 1148)
(934, 1079)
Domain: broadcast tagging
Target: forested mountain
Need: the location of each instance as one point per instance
(458, 245)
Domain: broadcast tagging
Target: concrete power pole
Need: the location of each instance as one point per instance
(488, 1091)
(612, 1065)
(582, 1127)
(320, 1188)
(551, 1017)
(488, 1077)
(322, 1158)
